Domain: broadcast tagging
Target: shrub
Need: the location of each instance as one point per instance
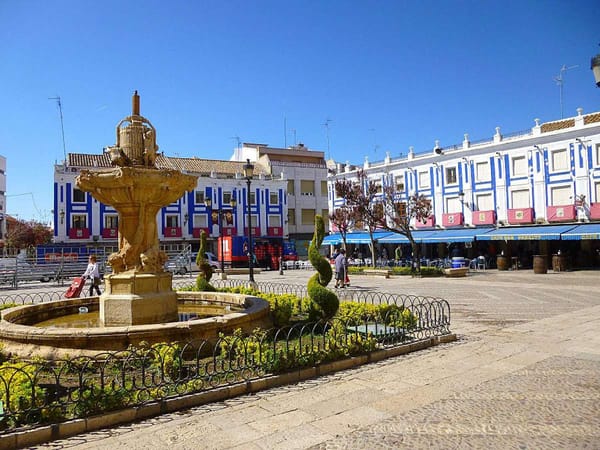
(325, 302)
(206, 271)
(281, 306)
(20, 392)
(167, 359)
(94, 399)
(353, 313)
(7, 305)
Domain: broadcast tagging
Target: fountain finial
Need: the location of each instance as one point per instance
(136, 140)
(135, 104)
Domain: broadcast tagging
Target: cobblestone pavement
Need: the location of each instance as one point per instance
(524, 374)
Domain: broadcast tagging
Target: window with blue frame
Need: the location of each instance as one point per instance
(451, 177)
(78, 196)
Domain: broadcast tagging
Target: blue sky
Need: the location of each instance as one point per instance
(388, 75)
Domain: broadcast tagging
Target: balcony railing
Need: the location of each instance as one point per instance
(172, 232)
(79, 233)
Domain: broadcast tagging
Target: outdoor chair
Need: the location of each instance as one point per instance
(480, 262)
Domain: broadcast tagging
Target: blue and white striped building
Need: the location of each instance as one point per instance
(514, 189)
(218, 201)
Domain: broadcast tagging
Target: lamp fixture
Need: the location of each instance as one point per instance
(186, 217)
(207, 202)
(62, 216)
(498, 155)
(437, 149)
(461, 199)
(248, 170)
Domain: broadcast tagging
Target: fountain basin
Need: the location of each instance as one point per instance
(19, 334)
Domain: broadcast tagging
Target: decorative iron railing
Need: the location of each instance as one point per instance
(35, 392)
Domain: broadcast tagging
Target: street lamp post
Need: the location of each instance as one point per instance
(248, 173)
(222, 216)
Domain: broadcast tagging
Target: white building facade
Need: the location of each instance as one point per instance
(519, 182)
(305, 172)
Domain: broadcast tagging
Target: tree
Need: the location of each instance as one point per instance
(361, 200)
(324, 303)
(398, 216)
(342, 219)
(22, 234)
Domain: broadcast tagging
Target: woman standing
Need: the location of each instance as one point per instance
(341, 266)
(93, 273)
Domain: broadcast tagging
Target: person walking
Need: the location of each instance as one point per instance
(341, 266)
(93, 274)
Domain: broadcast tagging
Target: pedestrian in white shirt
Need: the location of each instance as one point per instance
(93, 274)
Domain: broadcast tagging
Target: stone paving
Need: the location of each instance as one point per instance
(524, 374)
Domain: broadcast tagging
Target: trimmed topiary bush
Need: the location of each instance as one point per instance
(324, 303)
(206, 271)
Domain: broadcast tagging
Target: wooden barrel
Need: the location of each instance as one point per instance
(539, 264)
(559, 263)
(502, 262)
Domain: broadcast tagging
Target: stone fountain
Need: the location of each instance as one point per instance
(138, 304)
(139, 289)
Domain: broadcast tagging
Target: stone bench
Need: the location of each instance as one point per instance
(377, 272)
(456, 272)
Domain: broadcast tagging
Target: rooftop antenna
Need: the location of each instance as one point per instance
(294, 133)
(62, 127)
(560, 78)
(326, 125)
(284, 132)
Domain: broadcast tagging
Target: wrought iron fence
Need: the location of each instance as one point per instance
(26, 298)
(38, 392)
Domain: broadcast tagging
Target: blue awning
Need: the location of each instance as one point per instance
(397, 238)
(364, 238)
(332, 239)
(354, 238)
(532, 233)
(454, 235)
(586, 231)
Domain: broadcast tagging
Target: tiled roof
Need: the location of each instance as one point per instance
(591, 118)
(191, 165)
(560, 125)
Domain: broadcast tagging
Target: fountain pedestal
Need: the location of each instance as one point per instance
(137, 299)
